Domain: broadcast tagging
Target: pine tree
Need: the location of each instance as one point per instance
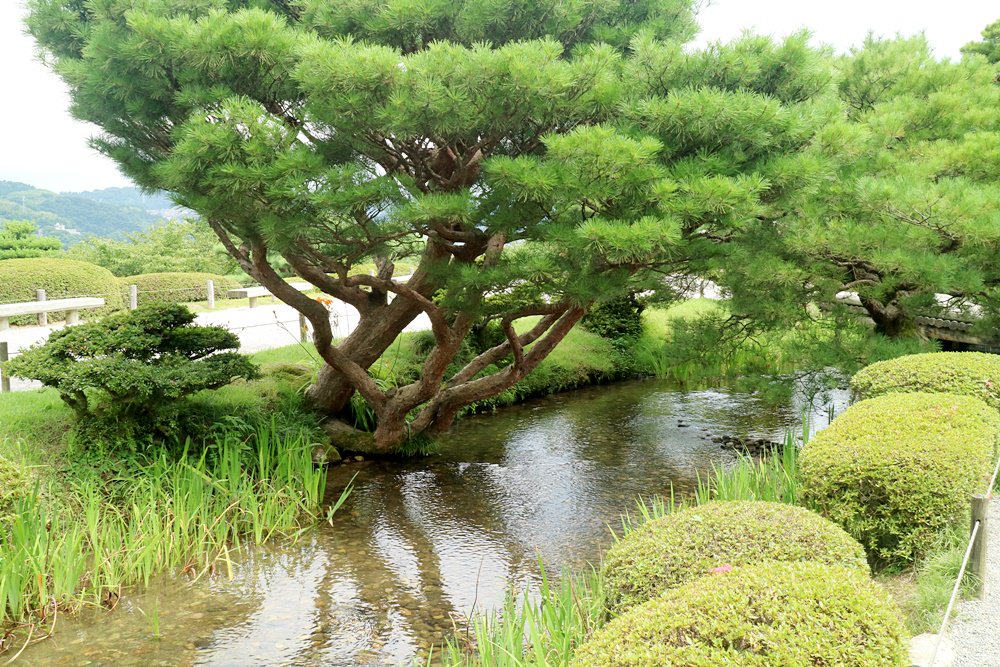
(989, 47)
(532, 159)
(905, 206)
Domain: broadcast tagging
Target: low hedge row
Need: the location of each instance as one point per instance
(974, 374)
(671, 551)
(770, 614)
(897, 469)
(60, 278)
(178, 287)
(64, 278)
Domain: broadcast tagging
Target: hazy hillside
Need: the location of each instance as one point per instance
(71, 216)
(128, 197)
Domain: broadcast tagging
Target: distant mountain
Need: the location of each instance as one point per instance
(71, 216)
(129, 198)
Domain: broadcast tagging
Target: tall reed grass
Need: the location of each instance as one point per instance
(192, 514)
(537, 629)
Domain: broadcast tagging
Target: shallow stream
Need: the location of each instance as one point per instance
(420, 546)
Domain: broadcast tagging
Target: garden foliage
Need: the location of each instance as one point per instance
(897, 470)
(15, 485)
(19, 239)
(174, 246)
(559, 153)
(974, 374)
(60, 278)
(178, 287)
(770, 614)
(128, 370)
(899, 202)
(619, 318)
(668, 552)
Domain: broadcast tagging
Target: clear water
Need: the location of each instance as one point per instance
(420, 546)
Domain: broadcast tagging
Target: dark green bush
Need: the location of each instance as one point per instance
(618, 318)
(61, 279)
(965, 373)
(668, 552)
(486, 335)
(124, 375)
(896, 470)
(177, 287)
(770, 614)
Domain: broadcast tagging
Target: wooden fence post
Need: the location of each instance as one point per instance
(43, 318)
(4, 378)
(133, 297)
(211, 294)
(977, 559)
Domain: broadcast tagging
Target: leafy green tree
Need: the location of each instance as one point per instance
(176, 246)
(989, 46)
(906, 206)
(129, 369)
(553, 154)
(19, 239)
(22, 239)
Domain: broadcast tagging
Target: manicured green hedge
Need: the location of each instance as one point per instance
(61, 279)
(965, 373)
(897, 469)
(772, 614)
(178, 287)
(671, 551)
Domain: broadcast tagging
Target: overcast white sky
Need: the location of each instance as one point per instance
(41, 144)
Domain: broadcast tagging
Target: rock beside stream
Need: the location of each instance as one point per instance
(751, 446)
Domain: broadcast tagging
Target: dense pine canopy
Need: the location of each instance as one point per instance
(532, 159)
(907, 203)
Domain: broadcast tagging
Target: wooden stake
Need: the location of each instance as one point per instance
(977, 561)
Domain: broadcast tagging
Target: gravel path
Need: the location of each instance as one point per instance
(975, 630)
(260, 328)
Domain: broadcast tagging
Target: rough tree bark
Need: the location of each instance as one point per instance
(890, 320)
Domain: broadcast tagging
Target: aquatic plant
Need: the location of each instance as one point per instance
(192, 514)
(537, 628)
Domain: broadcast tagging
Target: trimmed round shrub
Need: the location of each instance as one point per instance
(61, 279)
(177, 287)
(964, 373)
(897, 469)
(771, 614)
(668, 552)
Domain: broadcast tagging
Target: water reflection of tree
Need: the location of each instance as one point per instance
(393, 545)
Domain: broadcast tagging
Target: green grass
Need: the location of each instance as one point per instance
(97, 533)
(924, 591)
(96, 522)
(539, 629)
